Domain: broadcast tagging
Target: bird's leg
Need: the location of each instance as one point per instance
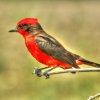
(46, 72)
(38, 71)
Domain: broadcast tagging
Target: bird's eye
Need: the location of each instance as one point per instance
(22, 26)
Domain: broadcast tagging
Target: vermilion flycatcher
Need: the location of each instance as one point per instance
(46, 49)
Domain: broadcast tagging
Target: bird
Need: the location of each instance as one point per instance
(46, 49)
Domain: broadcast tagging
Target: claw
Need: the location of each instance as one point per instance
(37, 72)
(46, 75)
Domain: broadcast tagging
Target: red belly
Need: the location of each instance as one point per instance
(42, 57)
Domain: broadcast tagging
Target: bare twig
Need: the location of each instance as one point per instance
(94, 97)
(76, 70)
(67, 71)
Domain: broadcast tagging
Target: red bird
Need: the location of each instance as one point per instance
(46, 49)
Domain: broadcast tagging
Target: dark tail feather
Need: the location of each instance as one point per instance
(90, 63)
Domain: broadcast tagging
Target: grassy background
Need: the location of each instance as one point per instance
(75, 23)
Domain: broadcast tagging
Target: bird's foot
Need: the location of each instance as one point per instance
(37, 72)
(46, 74)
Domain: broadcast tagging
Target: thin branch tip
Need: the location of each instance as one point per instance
(94, 97)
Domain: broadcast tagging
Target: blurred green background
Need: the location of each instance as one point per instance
(75, 23)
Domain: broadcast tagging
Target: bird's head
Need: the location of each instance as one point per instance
(26, 26)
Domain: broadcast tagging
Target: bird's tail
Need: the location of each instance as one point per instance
(90, 63)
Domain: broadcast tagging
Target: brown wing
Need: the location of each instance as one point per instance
(52, 47)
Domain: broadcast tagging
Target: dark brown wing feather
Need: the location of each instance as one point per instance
(52, 47)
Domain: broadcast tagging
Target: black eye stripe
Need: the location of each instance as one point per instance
(22, 25)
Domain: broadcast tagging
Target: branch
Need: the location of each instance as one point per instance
(75, 70)
(94, 97)
(39, 73)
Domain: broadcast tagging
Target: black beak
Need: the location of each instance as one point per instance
(13, 30)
